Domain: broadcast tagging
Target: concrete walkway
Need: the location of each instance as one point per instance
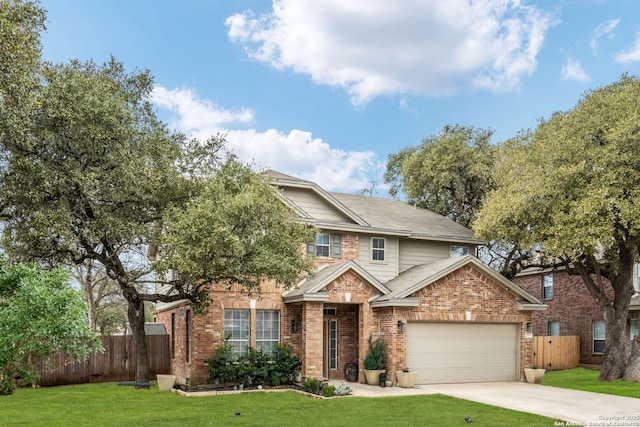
(576, 407)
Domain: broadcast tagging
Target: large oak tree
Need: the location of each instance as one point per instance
(570, 190)
(92, 175)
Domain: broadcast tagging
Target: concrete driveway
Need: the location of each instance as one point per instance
(576, 407)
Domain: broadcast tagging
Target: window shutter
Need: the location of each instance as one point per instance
(336, 252)
(311, 247)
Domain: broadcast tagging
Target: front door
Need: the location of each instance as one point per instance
(330, 344)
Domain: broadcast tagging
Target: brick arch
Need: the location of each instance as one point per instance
(351, 283)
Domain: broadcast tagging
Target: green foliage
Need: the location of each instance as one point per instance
(20, 25)
(343, 390)
(376, 356)
(311, 385)
(569, 190)
(237, 231)
(40, 313)
(328, 390)
(449, 173)
(280, 367)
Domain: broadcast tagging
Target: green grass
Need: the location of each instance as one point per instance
(587, 380)
(109, 404)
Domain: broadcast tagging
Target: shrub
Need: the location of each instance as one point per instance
(257, 367)
(343, 390)
(311, 385)
(376, 354)
(328, 390)
(284, 366)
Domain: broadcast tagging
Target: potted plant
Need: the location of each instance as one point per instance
(406, 379)
(374, 360)
(534, 375)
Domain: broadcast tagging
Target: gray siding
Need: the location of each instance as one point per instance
(383, 271)
(416, 252)
(314, 206)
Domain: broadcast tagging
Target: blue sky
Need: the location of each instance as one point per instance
(326, 89)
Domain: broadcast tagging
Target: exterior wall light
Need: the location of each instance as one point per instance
(400, 326)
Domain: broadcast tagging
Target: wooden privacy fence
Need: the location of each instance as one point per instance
(556, 353)
(117, 363)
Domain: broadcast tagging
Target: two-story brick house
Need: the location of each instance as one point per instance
(384, 269)
(573, 311)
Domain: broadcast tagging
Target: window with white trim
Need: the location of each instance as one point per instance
(236, 330)
(323, 241)
(458, 251)
(378, 247)
(547, 286)
(636, 277)
(554, 328)
(267, 330)
(599, 336)
(333, 344)
(633, 329)
(326, 245)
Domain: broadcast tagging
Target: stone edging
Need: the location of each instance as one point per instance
(225, 392)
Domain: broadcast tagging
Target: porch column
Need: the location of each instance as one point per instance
(368, 326)
(312, 339)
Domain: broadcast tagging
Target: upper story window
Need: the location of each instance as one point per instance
(378, 247)
(326, 245)
(458, 251)
(323, 241)
(547, 286)
(636, 277)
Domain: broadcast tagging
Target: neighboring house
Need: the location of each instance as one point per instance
(384, 269)
(573, 311)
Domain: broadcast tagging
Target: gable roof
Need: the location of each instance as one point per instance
(312, 289)
(376, 215)
(412, 280)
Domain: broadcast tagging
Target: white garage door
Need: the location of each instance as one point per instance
(462, 352)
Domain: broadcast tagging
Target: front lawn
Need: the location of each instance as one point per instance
(113, 405)
(587, 380)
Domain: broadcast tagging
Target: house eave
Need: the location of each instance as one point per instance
(317, 297)
(521, 306)
(403, 302)
(335, 226)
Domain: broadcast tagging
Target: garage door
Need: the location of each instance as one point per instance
(462, 352)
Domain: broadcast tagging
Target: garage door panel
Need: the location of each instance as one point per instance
(462, 352)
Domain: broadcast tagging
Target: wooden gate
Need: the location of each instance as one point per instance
(556, 353)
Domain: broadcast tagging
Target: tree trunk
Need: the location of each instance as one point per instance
(136, 320)
(614, 360)
(632, 372)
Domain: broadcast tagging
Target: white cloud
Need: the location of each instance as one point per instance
(377, 47)
(572, 70)
(194, 113)
(295, 153)
(606, 28)
(632, 55)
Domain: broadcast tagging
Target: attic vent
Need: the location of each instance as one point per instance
(329, 311)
